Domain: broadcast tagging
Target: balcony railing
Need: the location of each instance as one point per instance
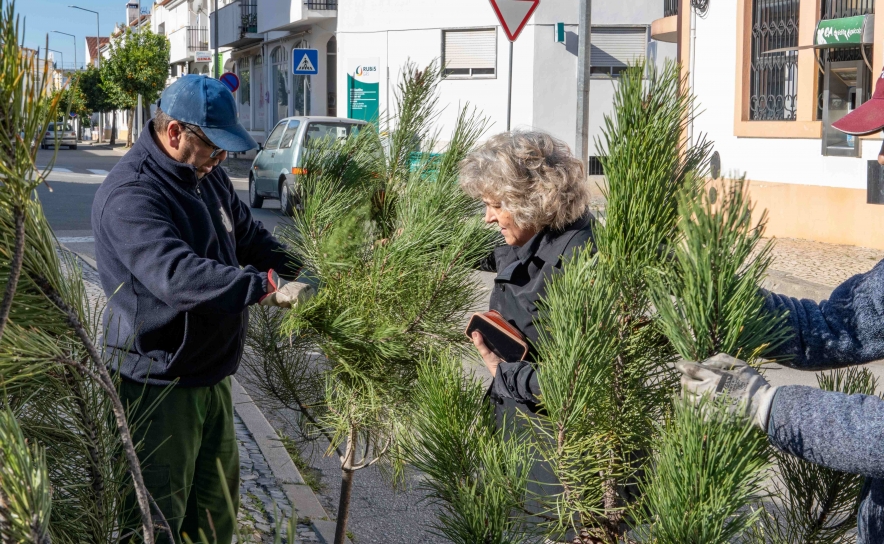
(197, 39)
(321, 4)
(249, 17)
(670, 7)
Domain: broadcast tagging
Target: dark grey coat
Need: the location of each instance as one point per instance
(522, 273)
(843, 432)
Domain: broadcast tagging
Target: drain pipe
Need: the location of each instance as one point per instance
(693, 62)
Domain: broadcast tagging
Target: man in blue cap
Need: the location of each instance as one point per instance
(181, 260)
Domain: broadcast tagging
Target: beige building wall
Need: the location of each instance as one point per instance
(807, 195)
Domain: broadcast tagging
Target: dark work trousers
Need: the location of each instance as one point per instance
(187, 431)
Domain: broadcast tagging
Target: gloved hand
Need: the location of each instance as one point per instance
(286, 294)
(742, 385)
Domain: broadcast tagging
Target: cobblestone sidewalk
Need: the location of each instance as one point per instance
(824, 264)
(263, 504)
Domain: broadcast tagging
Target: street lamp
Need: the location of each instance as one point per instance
(98, 51)
(76, 66)
(62, 57)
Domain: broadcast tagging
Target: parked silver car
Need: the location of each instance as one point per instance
(66, 136)
(277, 166)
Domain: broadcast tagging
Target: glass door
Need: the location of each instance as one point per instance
(843, 91)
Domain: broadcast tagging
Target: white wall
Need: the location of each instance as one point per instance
(544, 72)
(762, 159)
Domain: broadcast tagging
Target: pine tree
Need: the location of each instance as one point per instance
(54, 381)
(391, 240)
(709, 466)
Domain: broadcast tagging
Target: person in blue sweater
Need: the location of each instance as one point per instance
(181, 259)
(842, 432)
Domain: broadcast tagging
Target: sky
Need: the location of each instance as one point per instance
(39, 17)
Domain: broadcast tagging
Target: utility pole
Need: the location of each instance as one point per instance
(584, 55)
(217, 68)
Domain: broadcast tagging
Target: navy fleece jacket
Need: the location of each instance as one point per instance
(181, 260)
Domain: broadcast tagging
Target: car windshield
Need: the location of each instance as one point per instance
(66, 128)
(318, 131)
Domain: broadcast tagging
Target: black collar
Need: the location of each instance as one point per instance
(549, 243)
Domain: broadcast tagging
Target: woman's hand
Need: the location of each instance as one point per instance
(490, 358)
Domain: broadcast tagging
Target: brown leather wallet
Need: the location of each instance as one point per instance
(499, 335)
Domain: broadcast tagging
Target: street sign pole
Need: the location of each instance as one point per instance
(584, 55)
(509, 92)
(513, 16)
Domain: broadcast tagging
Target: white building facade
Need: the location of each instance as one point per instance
(381, 36)
(466, 36)
(263, 36)
(186, 24)
(770, 113)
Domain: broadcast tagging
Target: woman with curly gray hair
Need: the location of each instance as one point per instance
(537, 193)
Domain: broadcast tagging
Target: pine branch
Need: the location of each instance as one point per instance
(106, 382)
(14, 267)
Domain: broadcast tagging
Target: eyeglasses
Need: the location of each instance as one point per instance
(215, 149)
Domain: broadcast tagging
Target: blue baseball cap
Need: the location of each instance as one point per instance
(208, 104)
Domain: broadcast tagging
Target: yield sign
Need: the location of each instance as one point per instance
(513, 14)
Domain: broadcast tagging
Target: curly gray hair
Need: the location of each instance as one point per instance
(531, 175)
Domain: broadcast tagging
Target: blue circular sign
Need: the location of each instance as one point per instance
(230, 80)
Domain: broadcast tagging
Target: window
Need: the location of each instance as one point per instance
(331, 81)
(469, 53)
(594, 166)
(773, 77)
(614, 48)
(260, 93)
(280, 74)
(318, 131)
(289, 135)
(244, 93)
(275, 136)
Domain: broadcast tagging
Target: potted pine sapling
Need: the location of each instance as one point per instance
(710, 465)
(391, 240)
(476, 474)
(604, 366)
(53, 380)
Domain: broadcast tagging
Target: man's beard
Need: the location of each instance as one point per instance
(188, 156)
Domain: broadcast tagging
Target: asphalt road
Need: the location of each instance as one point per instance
(67, 197)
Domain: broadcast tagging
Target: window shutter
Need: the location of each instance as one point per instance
(469, 49)
(618, 46)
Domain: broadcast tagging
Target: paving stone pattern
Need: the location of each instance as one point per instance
(263, 505)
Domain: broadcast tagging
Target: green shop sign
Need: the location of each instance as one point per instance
(845, 32)
(363, 86)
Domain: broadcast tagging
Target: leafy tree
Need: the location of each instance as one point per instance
(92, 86)
(138, 63)
(399, 292)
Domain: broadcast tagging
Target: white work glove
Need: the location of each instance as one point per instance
(286, 294)
(723, 375)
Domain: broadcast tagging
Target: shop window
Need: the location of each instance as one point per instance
(616, 47)
(244, 92)
(261, 94)
(331, 81)
(469, 53)
(773, 77)
(280, 73)
(837, 9)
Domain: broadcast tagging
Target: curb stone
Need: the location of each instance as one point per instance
(303, 499)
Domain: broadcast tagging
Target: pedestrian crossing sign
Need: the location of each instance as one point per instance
(305, 62)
